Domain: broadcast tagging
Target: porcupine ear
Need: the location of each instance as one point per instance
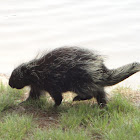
(25, 69)
(30, 72)
(34, 76)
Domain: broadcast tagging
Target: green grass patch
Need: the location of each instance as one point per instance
(14, 126)
(9, 97)
(59, 134)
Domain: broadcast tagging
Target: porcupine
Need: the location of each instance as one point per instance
(69, 69)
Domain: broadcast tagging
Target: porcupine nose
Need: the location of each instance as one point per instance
(10, 84)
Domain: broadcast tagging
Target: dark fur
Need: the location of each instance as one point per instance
(69, 69)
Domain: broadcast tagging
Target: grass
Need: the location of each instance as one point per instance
(39, 120)
(9, 97)
(59, 134)
(14, 126)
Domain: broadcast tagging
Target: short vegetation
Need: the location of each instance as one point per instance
(84, 120)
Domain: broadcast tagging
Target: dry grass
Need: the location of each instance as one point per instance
(130, 94)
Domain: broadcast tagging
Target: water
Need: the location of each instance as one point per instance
(29, 27)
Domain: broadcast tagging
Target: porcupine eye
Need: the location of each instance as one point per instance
(21, 75)
(24, 70)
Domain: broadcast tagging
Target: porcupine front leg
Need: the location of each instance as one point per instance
(57, 97)
(34, 93)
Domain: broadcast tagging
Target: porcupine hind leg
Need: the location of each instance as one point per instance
(101, 98)
(85, 94)
(78, 98)
(82, 93)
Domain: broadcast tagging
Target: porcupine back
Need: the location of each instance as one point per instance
(68, 65)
